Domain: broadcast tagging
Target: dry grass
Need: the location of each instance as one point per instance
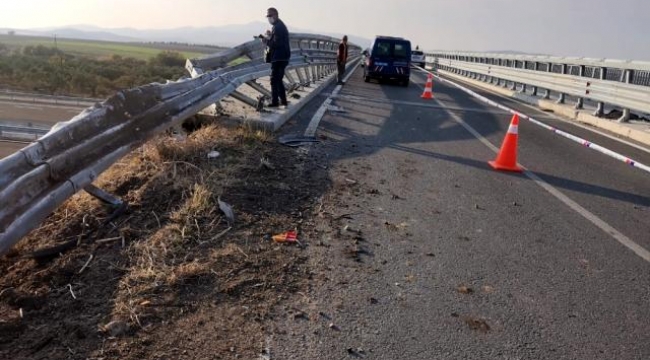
(172, 253)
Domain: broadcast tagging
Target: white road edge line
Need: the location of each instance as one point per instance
(577, 124)
(610, 230)
(565, 134)
(315, 120)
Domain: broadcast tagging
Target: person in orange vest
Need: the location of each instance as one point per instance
(342, 59)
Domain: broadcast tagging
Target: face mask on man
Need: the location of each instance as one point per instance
(271, 20)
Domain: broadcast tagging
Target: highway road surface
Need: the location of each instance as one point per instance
(453, 260)
(38, 114)
(41, 115)
(9, 147)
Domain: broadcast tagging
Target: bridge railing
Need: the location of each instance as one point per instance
(21, 132)
(12, 95)
(40, 177)
(624, 84)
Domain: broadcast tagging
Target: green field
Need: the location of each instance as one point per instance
(105, 49)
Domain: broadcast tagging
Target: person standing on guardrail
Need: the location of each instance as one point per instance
(342, 59)
(279, 53)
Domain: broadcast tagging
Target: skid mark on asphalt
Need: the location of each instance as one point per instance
(610, 230)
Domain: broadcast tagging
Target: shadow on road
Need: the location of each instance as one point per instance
(376, 125)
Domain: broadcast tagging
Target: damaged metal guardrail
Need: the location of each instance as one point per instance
(625, 84)
(39, 178)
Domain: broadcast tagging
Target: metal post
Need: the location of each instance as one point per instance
(580, 103)
(259, 88)
(290, 77)
(301, 78)
(245, 99)
(547, 93)
(523, 85)
(536, 68)
(562, 97)
(626, 112)
(514, 83)
(600, 110)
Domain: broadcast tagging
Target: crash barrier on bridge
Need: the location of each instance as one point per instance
(567, 135)
(40, 177)
(10, 95)
(21, 132)
(624, 84)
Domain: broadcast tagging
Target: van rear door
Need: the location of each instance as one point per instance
(391, 58)
(402, 57)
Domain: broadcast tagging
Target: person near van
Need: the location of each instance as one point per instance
(279, 53)
(342, 59)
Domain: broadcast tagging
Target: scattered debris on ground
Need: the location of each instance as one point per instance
(477, 324)
(185, 271)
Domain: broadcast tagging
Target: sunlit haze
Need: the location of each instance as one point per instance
(594, 28)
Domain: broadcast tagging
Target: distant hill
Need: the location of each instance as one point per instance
(227, 35)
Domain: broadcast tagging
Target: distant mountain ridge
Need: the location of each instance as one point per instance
(227, 35)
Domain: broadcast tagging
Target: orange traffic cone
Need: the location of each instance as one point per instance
(428, 88)
(507, 158)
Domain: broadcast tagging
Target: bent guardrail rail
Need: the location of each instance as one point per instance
(625, 84)
(37, 179)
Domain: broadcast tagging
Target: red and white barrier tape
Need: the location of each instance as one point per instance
(565, 134)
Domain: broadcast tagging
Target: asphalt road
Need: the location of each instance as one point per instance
(17, 113)
(457, 261)
(38, 114)
(9, 147)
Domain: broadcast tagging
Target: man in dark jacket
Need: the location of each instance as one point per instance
(279, 50)
(342, 58)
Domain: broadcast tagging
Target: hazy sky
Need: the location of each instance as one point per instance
(595, 28)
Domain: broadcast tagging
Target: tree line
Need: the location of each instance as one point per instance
(49, 70)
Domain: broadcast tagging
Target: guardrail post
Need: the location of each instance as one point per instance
(259, 88)
(524, 87)
(514, 83)
(536, 68)
(547, 93)
(562, 97)
(600, 110)
(628, 75)
(580, 103)
(245, 99)
(301, 78)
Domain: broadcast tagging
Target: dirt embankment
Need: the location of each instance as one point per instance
(169, 278)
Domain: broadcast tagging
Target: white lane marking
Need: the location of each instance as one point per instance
(315, 120)
(627, 242)
(610, 230)
(565, 134)
(555, 117)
